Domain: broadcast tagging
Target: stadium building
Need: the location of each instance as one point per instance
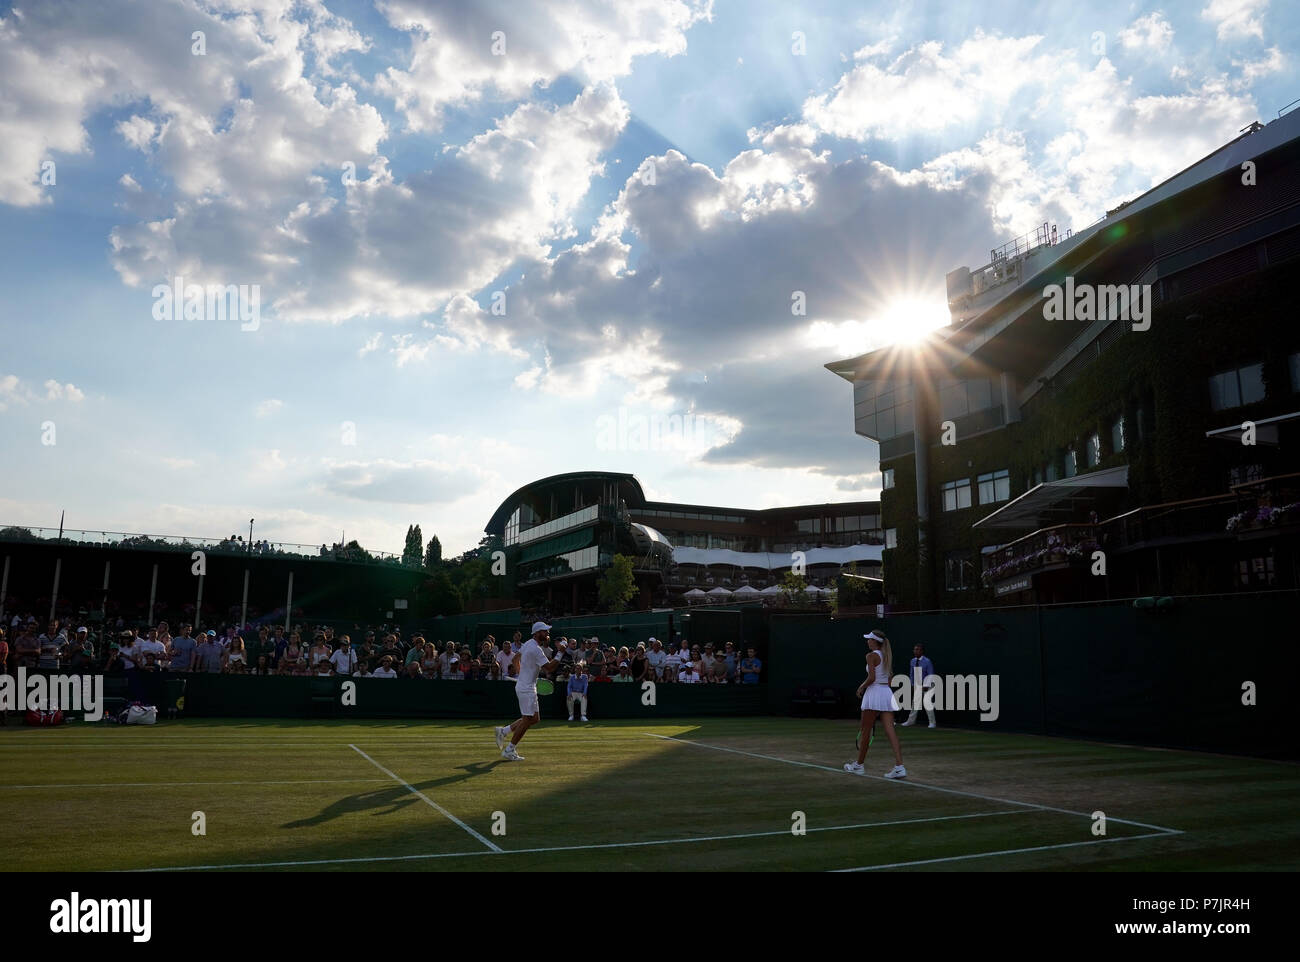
(561, 532)
(1111, 413)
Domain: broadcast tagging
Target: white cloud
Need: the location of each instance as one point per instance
(1152, 31)
(453, 63)
(14, 391)
(268, 407)
(1272, 62)
(927, 89)
(1236, 18)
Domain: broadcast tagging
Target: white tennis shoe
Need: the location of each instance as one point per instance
(511, 755)
(853, 768)
(898, 771)
(584, 718)
(501, 733)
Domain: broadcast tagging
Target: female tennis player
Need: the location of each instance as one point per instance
(877, 700)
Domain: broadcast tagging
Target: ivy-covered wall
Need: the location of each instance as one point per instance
(1164, 372)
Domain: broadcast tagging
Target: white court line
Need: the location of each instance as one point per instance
(903, 781)
(427, 800)
(573, 848)
(1008, 851)
(303, 781)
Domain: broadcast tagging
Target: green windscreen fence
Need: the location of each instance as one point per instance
(1203, 673)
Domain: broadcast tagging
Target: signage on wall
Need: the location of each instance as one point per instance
(1023, 583)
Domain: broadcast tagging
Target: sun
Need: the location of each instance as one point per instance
(908, 320)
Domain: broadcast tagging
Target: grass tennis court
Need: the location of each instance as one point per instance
(692, 795)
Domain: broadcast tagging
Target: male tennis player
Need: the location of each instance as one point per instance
(530, 659)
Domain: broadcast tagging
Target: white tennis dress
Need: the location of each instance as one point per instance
(879, 696)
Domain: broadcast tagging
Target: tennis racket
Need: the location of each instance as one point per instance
(870, 738)
(545, 687)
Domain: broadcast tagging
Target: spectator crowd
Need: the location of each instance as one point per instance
(374, 653)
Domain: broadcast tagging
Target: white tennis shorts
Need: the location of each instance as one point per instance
(527, 702)
(879, 698)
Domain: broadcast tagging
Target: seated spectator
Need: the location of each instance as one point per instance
(445, 659)
(27, 649)
(302, 669)
(639, 665)
(624, 672)
(51, 645)
(413, 669)
(718, 675)
(688, 675)
(292, 649)
(494, 673)
(429, 663)
(658, 659)
(729, 657)
(181, 650)
(263, 666)
(152, 646)
(577, 689)
(673, 665)
(320, 651)
(236, 659)
(503, 659)
(706, 661)
(323, 668)
(208, 654)
(113, 663)
(392, 650)
(345, 659)
(453, 672)
(750, 667)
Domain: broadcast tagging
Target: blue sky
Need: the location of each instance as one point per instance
(855, 152)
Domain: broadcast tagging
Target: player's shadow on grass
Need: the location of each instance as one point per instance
(386, 801)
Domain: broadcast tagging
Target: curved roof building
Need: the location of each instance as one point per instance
(560, 532)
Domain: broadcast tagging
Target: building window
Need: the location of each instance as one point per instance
(886, 479)
(1232, 389)
(995, 486)
(1093, 451)
(957, 398)
(958, 571)
(1117, 435)
(882, 409)
(1295, 372)
(1256, 571)
(891, 537)
(956, 495)
(1245, 473)
(1071, 463)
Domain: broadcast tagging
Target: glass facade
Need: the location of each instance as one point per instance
(958, 398)
(1232, 389)
(542, 531)
(995, 486)
(956, 494)
(882, 409)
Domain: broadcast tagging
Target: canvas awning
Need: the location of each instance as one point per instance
(1054, 502)
(1266, 430)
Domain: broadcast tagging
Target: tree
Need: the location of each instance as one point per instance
(414, 548)
(617, 586)
(438, 596)
(794, 586)
(433, 556)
